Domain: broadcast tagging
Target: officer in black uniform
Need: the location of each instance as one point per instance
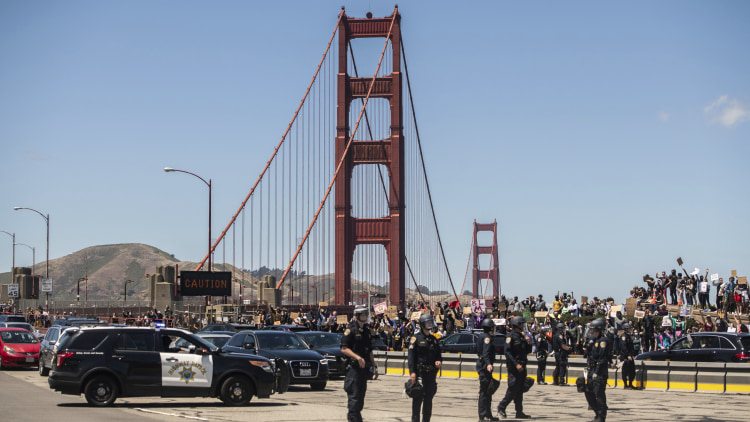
(517, 347)
(627, 352)
(542, 346)
(356, 344)
(561, 348)
(485, 363)
(599, 359)
(424, 362)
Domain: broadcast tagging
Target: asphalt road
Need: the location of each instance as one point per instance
(25, 396)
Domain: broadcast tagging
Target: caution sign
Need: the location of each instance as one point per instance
(204, 283)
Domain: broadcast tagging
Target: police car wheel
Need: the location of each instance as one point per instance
(42, 370)
(237, 391)
(318, 386)
(100, 391)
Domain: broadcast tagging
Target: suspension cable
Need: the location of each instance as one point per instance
(276, 150)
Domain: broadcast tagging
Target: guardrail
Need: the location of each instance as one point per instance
(714, 377)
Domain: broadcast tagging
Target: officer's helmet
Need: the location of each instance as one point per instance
(560, 327)
(598, 324)
(488, 325)
(517, 321)
(426, 322)
(361, 313)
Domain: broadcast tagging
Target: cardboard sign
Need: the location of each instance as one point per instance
(439, 319)
(541, 314)
(342, 319)
(501, 307)
(478, 306)
(630, 306)
(415, 316)
(715, 277)
(392, 312)
(460, 323)
(734, 273)
(256, 320)
(679, 261)
(742, 280)
(639, 314)
(277, 323)
(616, 309)
(380, 308)
(467, 309)
(584, 299)
(294, 315)
(323, 304)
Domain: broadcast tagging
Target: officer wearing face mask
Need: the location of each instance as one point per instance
(424, 362)
(356, 345)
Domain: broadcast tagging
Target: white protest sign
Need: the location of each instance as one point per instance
(46, 285)
(380, 308)
(715, 277)
(12, 290)
(477, 306)
(695, 271)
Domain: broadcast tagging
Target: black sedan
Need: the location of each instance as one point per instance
(466, 342)
(328, 345)
(704, 347)
(306, 366)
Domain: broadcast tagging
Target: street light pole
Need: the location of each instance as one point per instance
(46, 271)
(168, 170)
(125, 294)
(13, 263)
(33, 256)
(78, 291)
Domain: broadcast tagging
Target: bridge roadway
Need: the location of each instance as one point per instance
(25, 396)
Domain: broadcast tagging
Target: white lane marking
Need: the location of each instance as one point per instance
(170, 414)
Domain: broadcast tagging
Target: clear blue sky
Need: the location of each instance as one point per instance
(607, 138)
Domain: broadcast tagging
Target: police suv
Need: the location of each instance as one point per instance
(104, 363)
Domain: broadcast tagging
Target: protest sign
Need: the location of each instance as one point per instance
(639, 314)
(323, 304)
(467, 309)
(541, 314)
(380, 308)
(695, 271)
(392, 312)
(715, 277)
(415, 316)
(679, 261)
(294, 315)
(734, 273)
(742, 280)
(342, 319)
(477, 306)
(630, 306)
(584, 299)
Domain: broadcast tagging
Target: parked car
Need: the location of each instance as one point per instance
(24, 325)
(18, 348)
(78, 322)
(217, 338)
(12, 318)
(104, 363)
(47, 346)
(306, 366)
(704, 347)
(328, 345)
(290, 327)
(466, 342)
(226, 327)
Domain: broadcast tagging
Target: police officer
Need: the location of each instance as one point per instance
(485, 364)
(542, 345)
(598, 361)
(517, 347)
(356, 344)
(424, 362)
(627, 352)
(561, 348)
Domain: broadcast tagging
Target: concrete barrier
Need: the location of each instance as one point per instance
(652, 375)
(737, 378)
(683, 376)
(711, 377)
(451, 366)
(655, 375)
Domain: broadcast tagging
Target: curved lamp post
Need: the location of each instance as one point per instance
(46, 271)
(169, 170)
(13, 263)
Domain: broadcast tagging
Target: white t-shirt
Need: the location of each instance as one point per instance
(703, 286)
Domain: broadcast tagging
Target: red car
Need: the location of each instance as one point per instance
(18, 347)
